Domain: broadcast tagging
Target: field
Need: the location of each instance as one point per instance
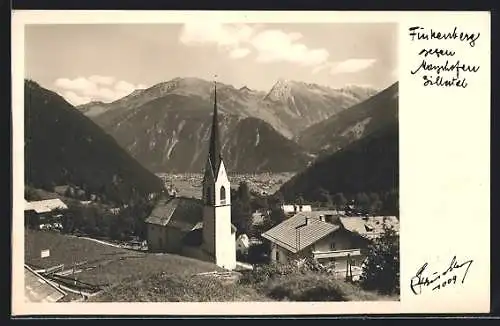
(103, 265)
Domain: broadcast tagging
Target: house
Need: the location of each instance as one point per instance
(199, 228)
(38, 212)
(370, 227)
(39, 289)
(242, 244)
(326, 237)
(257, 218)
(294, 209)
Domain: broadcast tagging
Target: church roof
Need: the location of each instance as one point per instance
(180, 213)
(214, 151)
(185, 214)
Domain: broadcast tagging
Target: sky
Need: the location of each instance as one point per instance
(105, 62)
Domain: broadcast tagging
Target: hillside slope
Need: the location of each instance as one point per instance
(352, 124)
(62, 146)
(370, 164)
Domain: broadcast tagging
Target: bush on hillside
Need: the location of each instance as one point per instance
(308, 286)
(381, 271)
(263, 273)
(163, 287)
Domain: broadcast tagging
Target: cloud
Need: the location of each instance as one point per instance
(223, 35)
(276, 46)
(239, 53)
(74, 98)
(271, 45)
(82, 90)
(103, 80)
(351, 66)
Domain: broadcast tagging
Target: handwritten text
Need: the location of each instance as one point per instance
(439, 67)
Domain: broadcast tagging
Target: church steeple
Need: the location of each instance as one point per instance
(219, 237)
(214, 153)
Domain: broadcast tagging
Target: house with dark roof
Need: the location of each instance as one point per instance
(174, 224)
(325, 236)
(41, 213)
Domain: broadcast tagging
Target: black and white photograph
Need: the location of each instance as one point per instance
(211, 162)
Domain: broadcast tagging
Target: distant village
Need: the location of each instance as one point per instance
(189, 184)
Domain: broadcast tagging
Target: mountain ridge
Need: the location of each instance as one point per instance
(307, 104)
(63, 146)
(352, 124)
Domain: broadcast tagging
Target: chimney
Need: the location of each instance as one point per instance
(307, 220)
(322, 218)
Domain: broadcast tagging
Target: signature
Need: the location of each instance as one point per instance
(438, 280)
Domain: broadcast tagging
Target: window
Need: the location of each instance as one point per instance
(222, 195)
(332, 245)
(277, 256)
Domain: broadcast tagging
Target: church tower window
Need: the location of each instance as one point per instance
(222, 195)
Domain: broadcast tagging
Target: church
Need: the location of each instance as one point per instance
(200, 229)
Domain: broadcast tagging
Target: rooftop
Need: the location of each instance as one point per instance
(295, 228)
(369, 227)
(180, 213)
(38, 289)
(44, 206)
(185, 214)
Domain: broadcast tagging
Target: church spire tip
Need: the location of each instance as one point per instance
(214, 149)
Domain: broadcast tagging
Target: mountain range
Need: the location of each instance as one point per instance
(362, 119)
(166, 126)
(63, 146)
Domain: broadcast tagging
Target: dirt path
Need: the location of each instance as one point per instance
(103, 242)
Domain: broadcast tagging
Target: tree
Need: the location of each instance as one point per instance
(339, 200)
(375, 204)
(277, 215)
(30, 194)
(299, 200)
(362, 202)
(324, 197)
(277, 199)
(260, 203)
(390, 203)
(241, 215)
(381, 269)
(244, 192)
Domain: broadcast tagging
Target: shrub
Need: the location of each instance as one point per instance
(263, 273)
(306, 287)
(163, 287)
(381, 270)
